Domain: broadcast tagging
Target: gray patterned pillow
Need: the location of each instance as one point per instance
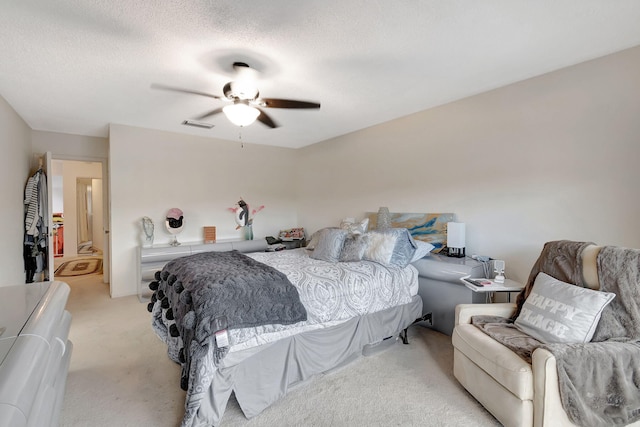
(311, 245)
(329, 246)
(354, 247)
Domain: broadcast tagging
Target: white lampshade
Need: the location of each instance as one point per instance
(241, 114)
(455, 234)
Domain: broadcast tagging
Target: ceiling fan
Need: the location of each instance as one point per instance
(246, 104)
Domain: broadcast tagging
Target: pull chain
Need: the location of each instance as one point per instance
(240, 138)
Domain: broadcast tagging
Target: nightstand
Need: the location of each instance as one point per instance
(440, 288)
(508, 286)
(294, 243)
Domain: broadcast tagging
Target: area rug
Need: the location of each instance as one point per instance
(79, 267)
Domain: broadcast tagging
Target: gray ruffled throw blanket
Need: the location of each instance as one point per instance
(600, 380)
(196, 296)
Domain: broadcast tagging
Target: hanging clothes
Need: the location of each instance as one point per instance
(36, 225)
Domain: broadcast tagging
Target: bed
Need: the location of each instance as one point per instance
(348, 309)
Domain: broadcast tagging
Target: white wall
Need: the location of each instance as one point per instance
(554, 157)
(68, 146)
(153, 171)
(15, 143)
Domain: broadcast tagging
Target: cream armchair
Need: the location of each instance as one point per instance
(515, 392)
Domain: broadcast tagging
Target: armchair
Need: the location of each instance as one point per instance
(517, 378)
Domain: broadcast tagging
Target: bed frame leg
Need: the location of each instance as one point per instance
(403, 334)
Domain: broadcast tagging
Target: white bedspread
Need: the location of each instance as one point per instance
(331, 292)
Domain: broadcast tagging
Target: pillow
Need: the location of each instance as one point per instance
(380, 248)
(330, 241)
(392, 247)
(558, 312)
(311, 245)
(354, 247)
(422, 248)
(354, 227)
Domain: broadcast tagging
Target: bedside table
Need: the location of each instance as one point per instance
(294, 243)
(508, 286)
(441, 290)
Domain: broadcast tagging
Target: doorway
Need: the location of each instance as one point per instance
(78, 211)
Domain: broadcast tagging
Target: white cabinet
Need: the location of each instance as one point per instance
(34, 353)
(154, 258)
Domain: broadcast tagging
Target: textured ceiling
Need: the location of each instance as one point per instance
(76, 66)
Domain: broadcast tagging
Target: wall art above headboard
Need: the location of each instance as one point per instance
(428, 227)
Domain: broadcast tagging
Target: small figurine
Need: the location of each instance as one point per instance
(242, 214)
(243, 219)
(148, 227)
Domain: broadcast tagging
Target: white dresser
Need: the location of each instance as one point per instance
(34, 353)
(154, 258)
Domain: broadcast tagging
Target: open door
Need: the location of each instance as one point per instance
(49, 214)
(106, 258)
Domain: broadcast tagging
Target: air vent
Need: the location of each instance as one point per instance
(197, 124)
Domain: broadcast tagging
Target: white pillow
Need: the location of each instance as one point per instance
(380, 248)
(392, 247)
(558, 312)
(423, 248)
(354, 227)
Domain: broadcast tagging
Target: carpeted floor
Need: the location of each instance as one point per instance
(121, 376)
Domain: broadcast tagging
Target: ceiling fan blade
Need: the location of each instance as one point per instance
(287, 103)
(209, 114)
(265, 119)
(177, 89)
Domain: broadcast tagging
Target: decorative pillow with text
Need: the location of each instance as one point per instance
(559, 312)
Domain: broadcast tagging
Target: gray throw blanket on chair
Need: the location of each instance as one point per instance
(599, 381)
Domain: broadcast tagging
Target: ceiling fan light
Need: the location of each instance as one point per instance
(241, 114)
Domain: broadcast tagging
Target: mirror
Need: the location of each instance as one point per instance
(85, 215)
(174, 223)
